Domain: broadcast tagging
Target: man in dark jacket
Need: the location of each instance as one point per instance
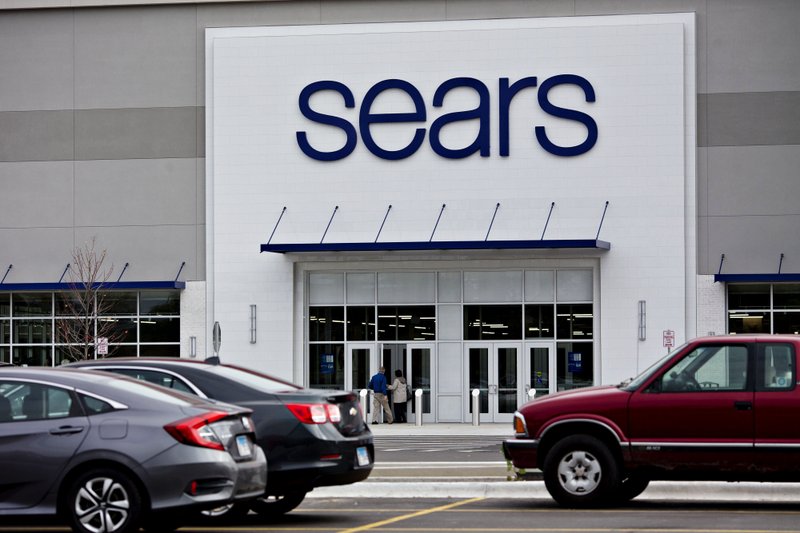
(378, 385)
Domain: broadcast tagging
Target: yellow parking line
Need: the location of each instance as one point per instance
(411, 515)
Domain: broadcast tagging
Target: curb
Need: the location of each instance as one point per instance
(658, 491)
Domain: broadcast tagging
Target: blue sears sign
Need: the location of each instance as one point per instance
(482, 114)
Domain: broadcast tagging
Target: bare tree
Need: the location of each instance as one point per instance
(78, 309)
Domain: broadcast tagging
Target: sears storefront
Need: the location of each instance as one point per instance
(500, 204)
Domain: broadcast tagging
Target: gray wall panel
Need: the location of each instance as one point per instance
(628, 7)
(38, 254)
(757, 180)
(36, 135)
(248, 14)
(349, 11)
(136, 133)
(36, 60)
(744, 119)
(753, 244)
(753, 45)
(477, 9)
(153, 252)
(135, 57)
(36, 195)
(135, 192)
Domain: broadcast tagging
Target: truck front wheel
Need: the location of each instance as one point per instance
(580, 471)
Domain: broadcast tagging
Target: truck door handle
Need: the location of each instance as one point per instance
(743, 406)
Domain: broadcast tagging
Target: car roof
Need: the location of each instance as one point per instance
(98, 382)
(174, 363)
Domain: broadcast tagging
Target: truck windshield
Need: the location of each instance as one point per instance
(633, 384)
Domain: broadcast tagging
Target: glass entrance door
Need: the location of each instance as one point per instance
(358, 366)
(539, 361)
(416, 363)
(494, 370)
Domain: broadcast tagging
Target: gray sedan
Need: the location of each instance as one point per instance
(111, 454)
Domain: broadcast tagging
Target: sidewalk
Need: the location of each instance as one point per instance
(504, 429)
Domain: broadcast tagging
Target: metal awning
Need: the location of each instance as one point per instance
(755, 278)
(435, 245)
(108, 286)
(752, 278)
(430, 244)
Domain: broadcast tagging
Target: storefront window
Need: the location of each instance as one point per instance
(159, 303)
(575, 362)
(539, 321)
(787, 296)
(121, 303)
(574, 321)
(40, 333)
(407, 323)
(326, 366)
(492, 322)
(764, 308)
(360, 323)
(32, 304)
(748, 296)
(326, 323)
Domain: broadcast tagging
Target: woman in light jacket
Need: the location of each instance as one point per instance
(399, 389)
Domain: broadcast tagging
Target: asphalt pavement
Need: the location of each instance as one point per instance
(465, 461)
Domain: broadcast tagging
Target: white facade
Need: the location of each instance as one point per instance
(642, 71)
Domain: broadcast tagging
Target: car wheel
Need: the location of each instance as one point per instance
(631, 487)
(580, 472)
(277, 505)
(103, 500)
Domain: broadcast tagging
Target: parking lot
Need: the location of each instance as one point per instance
(495, 515)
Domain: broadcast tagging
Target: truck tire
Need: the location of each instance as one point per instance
(580, 471)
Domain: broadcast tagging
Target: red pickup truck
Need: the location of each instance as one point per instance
(717, 408)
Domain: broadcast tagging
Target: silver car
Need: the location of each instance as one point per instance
(110, 454)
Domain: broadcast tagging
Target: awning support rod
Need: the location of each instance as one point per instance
(721, 260)
(382, 223)
(552, 205)
(601, 220)
(6, 275)
(123, 271)
(437, 222)
(276, 224)
(329, 224)
(492, 222)
(63, 274)
(780, 264)
(179, 270)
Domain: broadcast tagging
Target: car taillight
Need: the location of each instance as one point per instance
(315, 413)
(197, 430)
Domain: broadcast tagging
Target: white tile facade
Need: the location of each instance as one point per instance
(642, 70)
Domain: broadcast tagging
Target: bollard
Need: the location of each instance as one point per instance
(363, 395)
(476, 407)
(531, 394)
(418, 406)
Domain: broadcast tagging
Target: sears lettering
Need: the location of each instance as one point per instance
(417, 118)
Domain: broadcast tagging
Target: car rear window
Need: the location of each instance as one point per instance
(254, 380)
(151, 391)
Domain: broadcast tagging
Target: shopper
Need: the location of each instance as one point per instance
(399, 389)
(379, 401)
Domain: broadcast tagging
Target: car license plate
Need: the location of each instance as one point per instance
(362, 455)
(243, 445)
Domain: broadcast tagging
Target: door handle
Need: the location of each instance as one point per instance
(66, 430)
(743, 405)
